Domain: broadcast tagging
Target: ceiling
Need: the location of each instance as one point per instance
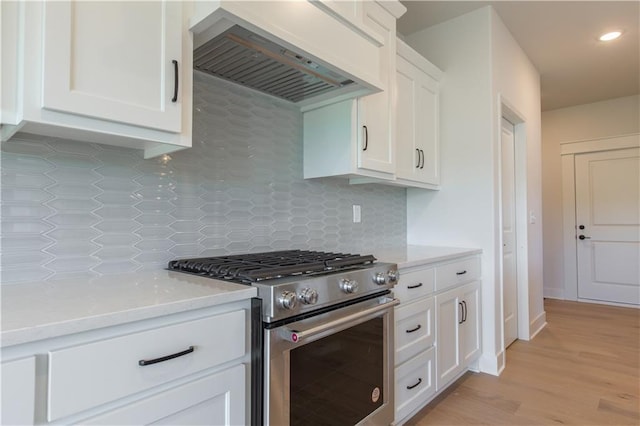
(560, 38)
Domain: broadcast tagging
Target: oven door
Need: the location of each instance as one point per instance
(334, 368)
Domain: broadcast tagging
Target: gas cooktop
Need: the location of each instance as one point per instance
(257, 267)
(295, 282)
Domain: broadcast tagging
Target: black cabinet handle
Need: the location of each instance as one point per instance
(366, 138)
(414, 329)
(415, 285)
(464, 311)
(144, 362)
(582, 237)
(413, 386)
(422, 162)
(418, 165)
(175, 81)
(461, 273)
(461, 320)
(581, 227)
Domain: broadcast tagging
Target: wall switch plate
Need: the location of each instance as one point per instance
(357, 213)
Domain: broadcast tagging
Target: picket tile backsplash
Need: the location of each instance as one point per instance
(74, 209)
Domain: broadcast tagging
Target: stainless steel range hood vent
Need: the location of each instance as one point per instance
(243, 57)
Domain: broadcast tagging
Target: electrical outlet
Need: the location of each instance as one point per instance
(357, 213)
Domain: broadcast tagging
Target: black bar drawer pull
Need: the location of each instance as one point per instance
(415, 285)
(144, 362)
(413, 386)
(461, 273)
(418, 327)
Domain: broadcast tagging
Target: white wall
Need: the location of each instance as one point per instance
(516, 82)
(481, 61)
(589, 121)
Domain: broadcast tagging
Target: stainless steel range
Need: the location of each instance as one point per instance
(323, 353)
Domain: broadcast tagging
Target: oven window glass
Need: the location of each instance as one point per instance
(338, 380)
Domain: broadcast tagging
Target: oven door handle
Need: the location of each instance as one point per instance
(295, 336)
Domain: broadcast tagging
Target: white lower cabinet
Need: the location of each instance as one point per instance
(437, 334)
(18, 391)
(415, 383)
(186, 368)
(458, 333)
(216, 399)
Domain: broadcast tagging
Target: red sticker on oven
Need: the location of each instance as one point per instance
(375, 395)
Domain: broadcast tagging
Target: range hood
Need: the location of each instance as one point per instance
(293, 50)
(246, 58)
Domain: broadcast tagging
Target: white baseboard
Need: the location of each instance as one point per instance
(491, 364)
(538, 324)
(602, 302)
(553, 293)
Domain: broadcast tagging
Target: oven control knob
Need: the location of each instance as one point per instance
(348, 286)
(381, 278)
(309, 296)
(287, 300)
(394, 275)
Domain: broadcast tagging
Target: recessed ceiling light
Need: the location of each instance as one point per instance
(610, 36)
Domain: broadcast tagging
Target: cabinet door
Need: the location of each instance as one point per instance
(375, 141)
(470, 327)
(448, 318)
(427, 129)
(417, 124)
(114, 61)
(407, 152)
(18, 391)
(217, 399)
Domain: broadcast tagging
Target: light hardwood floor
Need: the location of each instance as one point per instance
(582, 369)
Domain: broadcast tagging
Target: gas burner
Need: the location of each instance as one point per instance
(255, 267)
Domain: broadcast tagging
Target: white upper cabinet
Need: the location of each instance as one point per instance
(354, 138)
(114, 72)
(417, 119)
(375, 111)
(117, 61)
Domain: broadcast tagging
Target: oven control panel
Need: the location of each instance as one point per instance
(288, 297)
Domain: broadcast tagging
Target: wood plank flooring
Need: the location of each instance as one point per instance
(582, 369)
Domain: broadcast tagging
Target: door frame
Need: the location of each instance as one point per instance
(511, 114)
(568, 151)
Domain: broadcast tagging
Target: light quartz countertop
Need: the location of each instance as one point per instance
(39, 311)
(413, 255)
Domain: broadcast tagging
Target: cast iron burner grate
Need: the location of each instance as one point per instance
(256, 267)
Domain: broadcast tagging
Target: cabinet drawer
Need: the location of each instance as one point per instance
(414, 383)
(413, 329)
(216, 399)
(414, 284)
(88, 375)
(452, 274)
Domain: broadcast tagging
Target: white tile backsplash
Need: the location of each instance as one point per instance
(73, 208)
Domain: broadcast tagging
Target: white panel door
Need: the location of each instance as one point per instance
(509, 277)
(608, 221)
(114, 60)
